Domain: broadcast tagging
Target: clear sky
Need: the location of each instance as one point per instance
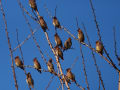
(108, 15)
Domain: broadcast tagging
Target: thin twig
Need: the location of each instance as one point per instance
(50, 15)
(77, 22)
(74, 62)
(29, 66)
(79, 86)
(119, 82)
(97, 68)
(50, 57)
(99, 85)
(51, 79)
(9, 44)
(28, 37)
(115, 45)
(95, 20)
(55, 10)
(84, 69)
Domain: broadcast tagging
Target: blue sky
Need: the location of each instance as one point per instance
(108, 15)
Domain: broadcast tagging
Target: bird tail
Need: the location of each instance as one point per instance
(22, 67)
(54, 73)
(32, 86)
(39, 71)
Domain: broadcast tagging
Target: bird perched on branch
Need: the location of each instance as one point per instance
(99, 47)
(59, 52)
(70, 75)
(37, 65)
(29, 80)
(33, 5)
(67, 79)
(67, 44)
(43, 23)
(58, 40)
(51, 67)
(56, 23)
(80, 35)
(19, 63)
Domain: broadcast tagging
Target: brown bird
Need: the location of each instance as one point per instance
(58, 40)
(29, 80)
(56, 23)
(51, 67)
(80, 35)
(37, 65)
(70, 75)
(99, 47)
(65, 77)
(33, 5)
(43, 24)
(59, 52)
(67, 44)
(19, 63)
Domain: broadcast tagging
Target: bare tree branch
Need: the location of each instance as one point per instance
(57, 59)
(74, 62)
(119, 82)
(95, 20)
(79, 86)
(9, 44)
(115, 46)
(84, 69)
(29, 36)
(51, 79)
(48, 11)
(98, 71)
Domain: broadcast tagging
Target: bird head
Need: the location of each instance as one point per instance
(35, 59)
(98, 42)
(68, 69)
(16, 57)
(69, 39)
(79, 30)
(50, 60)
(54, 17)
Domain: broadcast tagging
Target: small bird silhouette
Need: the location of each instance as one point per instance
(33, 5)
(37, 65)
(29, 80)
(58, 40)
(59, 52)
(43, 24)
(51, 67)
(80, 35)
(99, 47)
(70, 75)
(56, 23)
(67, 44)
(19, 63)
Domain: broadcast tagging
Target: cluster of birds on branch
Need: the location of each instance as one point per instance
(69, 75)
(58, 49)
